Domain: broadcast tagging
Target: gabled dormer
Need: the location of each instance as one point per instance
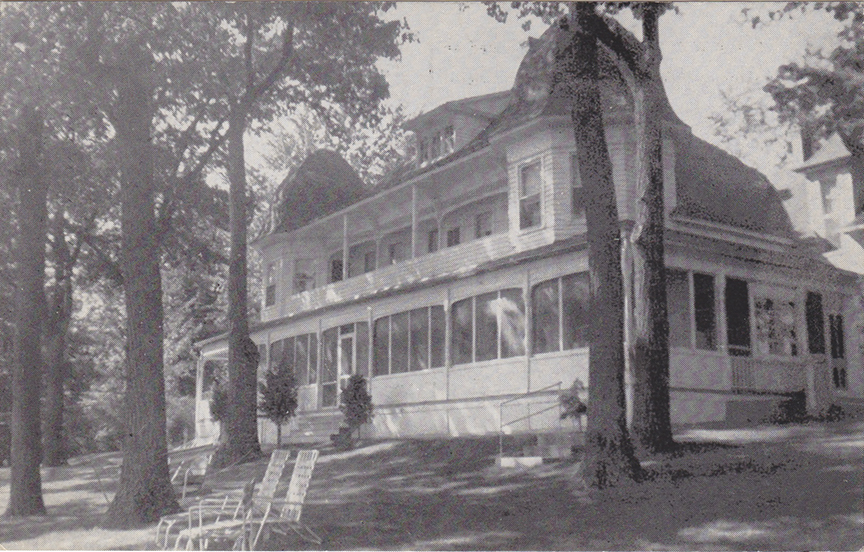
(836, 207)
(449, 127)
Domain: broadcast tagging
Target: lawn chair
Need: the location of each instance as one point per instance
(277, 515)
(228, 506)
(193, 472)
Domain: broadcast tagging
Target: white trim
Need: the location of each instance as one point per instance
(680, 223)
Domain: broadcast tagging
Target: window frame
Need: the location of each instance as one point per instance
(529, 199)
(387, 325)
(270, 280)
(576, 184)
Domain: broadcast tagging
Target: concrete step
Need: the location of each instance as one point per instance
(532, 449)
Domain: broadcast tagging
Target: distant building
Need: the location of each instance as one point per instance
(460, 288)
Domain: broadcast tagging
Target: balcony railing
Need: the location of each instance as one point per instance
(448, 262)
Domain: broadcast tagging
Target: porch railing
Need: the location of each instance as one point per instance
(504, 428)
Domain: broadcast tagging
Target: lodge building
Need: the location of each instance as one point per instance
(459, 288)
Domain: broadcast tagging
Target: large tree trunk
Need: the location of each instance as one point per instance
(55, 452)
(609, 457)
(649, 347)
(145, 492)
(25, 488)
(240, 429)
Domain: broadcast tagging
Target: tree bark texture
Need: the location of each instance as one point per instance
(55, 451)
(649, 346)
(25, 485)
(145, 492)
(240, 429)
(609, 457)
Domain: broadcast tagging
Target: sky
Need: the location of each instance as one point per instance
(708, 48)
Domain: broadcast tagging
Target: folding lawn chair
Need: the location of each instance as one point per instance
(276, 515)
(193, 471)
(214, 508)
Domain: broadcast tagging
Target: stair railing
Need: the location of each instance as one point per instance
(502, 425)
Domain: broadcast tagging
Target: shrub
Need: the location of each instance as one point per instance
(278, 398)
(571, 405)
(356, 405)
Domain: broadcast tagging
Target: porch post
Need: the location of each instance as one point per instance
(413, 220)
(199, 395)
(345, 246)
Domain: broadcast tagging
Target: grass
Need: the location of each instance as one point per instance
(791, 487)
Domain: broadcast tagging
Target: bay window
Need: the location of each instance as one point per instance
(488, 326)
(559, 314)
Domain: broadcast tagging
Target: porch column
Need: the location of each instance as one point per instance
(199, 395)
(345, 246)
(413, 220)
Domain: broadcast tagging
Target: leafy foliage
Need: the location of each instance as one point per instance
(278, 395)
(219, 402)
(355, 402)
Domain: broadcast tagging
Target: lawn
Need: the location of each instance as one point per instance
(789, 487)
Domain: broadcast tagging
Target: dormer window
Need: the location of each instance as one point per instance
(577, 200)
(270, 285)
(530, 189)
(436, 145)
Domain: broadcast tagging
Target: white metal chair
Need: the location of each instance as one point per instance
(264, 515)
(214, 508)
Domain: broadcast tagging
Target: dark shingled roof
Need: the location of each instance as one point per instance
(717, 187)
(711, 184)
(323, 184)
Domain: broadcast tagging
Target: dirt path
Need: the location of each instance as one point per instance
(796, 487)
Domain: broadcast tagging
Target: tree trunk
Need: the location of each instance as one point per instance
(649, 346)
(240, 429)
(25, 488)
(55, 452)
(145, 492)
(609, 457)
(278, 435)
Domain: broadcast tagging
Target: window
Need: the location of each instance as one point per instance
(838, 350)
(835, 325)
(270, 285)
(577, 199)
(703, 308)
(369, 261)
(448, 140)
(422, 151)
(336, 270)
(559, 314)
(437, 145)
(432, 241)
(738, 317)
(815, 323)
(488, 327)
(530, 187)
(304, 275)
(775, 326)
(453, 237)
(483, 225)
(409, 341)
(395, 252)
(299, 354)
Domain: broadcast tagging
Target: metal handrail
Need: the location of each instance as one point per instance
(547, 409)
(501, 424)
(529, 393)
